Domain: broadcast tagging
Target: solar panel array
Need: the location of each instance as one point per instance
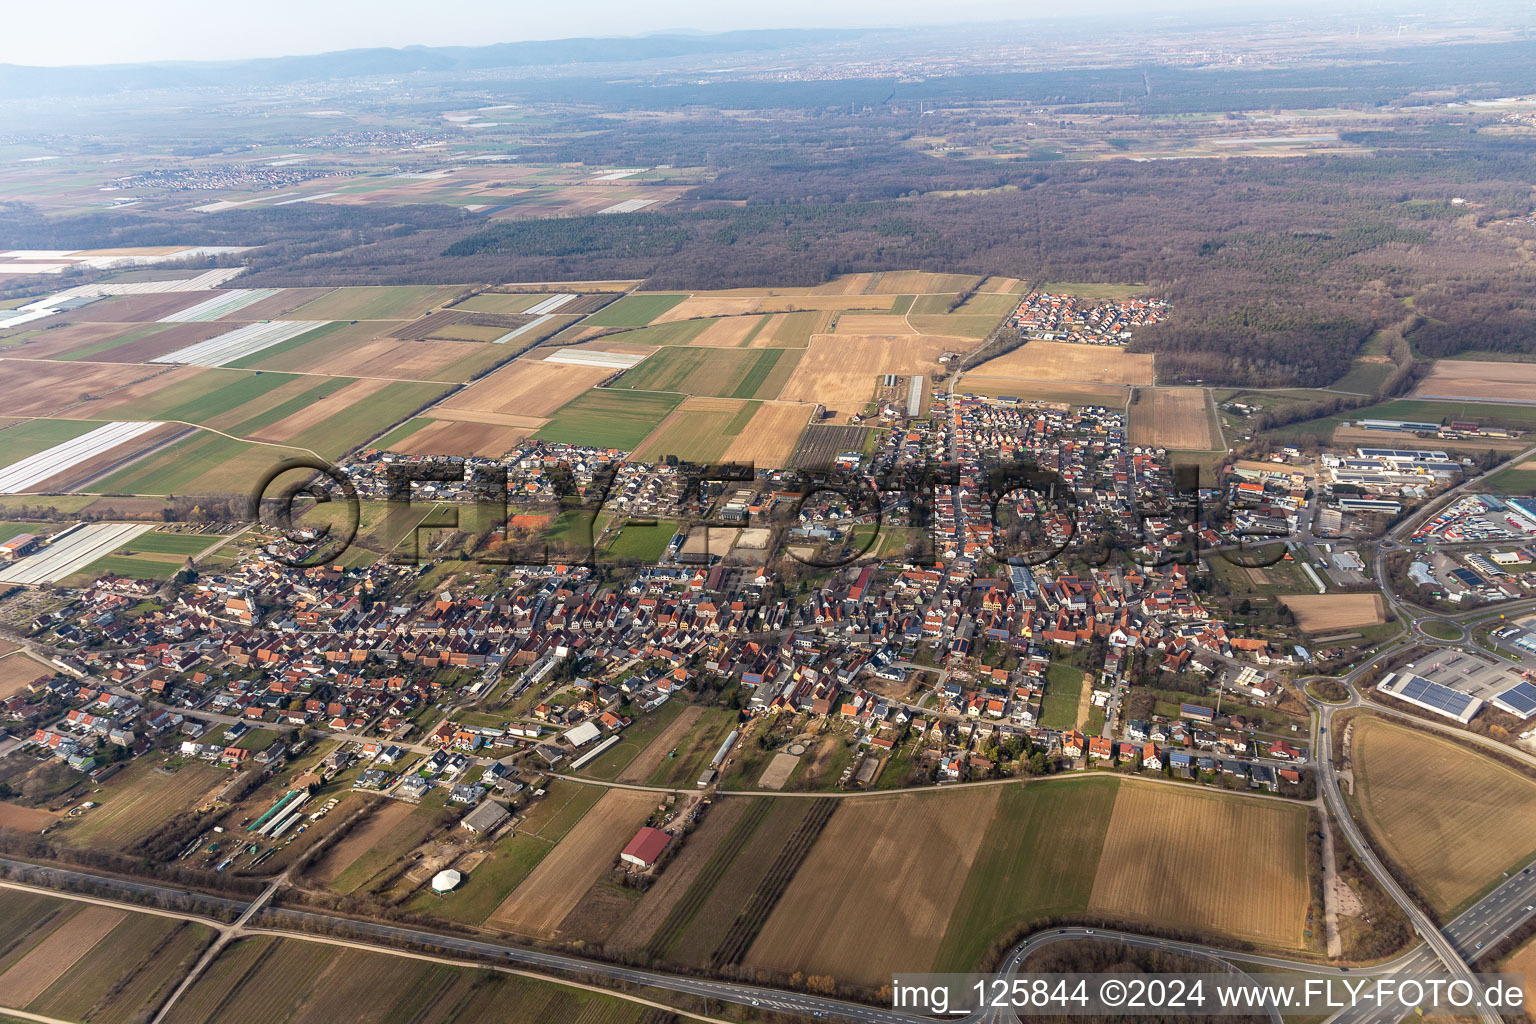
(1442, 698)
(1519, 699)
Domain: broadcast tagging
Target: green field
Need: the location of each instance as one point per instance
(677, 332)
(262, 356)
(1063, 692)
(634, 310)
(203, 463)
(364, 420)
(1038, 859)
(125, 565)
(24, 439)
(252, 426)
(606, 418)
(1510, 481)
(643, 543)
(1365, 378)
(713, 372)
(209, 394)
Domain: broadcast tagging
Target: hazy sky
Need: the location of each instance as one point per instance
(113, 31)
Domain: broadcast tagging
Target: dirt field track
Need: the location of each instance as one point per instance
(1058, 360)
(30, 976)
(1452, 819)
(1213, 863)
(839, 370)
(1316, 613)
(525, 388)
(868, 889)
(1490, 381)
(1173, 418)
(551, 890)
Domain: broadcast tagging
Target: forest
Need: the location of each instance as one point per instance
(1278, 269)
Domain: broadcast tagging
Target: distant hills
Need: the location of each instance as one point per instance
(21, 81)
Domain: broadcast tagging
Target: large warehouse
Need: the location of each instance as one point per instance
(1431, 696)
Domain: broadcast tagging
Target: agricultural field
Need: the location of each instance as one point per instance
(1173, 418)
(135, 802)
(427, 436)
(1204, 862)
(607, 418)
(650, 758)
(393, 302)
(1478, 381)
(537, 907)
(839, 371)
(731, 881)
(709, 372)
(88, 963)
(698, 430)
(87, 390)
(264, 979)
(1450, 818)
(524, 393)
(23, 439)
(634, 310)
(1317, 613)
(870, 898)
(1109, 395)
(1059, 360)
(204, 463)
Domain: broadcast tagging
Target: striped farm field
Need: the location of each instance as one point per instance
(608, 418)
(22, 439)
(203, 463)
(716, 373)
(240, 343)
(1205, 862)
(100, 965)
(52, 463)
(1452, 819)
(69, 554)
(220, 305)
(905, 883)
(265, 979)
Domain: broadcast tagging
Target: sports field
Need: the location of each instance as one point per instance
(1316, 613)
(1175, 418)
(1450, 818)
(710, 372)
(552, 890)
(1059, 360)
(839, 371)
(607, 418)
